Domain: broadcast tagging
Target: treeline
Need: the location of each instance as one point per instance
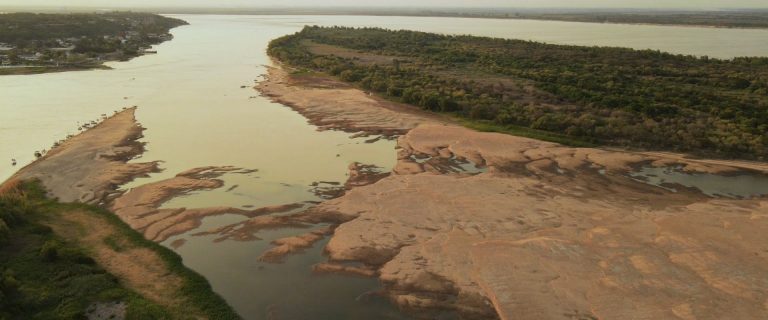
(21, 28)
(724, 19)
(626, 97)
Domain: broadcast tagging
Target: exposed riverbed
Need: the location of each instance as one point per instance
(197, 104)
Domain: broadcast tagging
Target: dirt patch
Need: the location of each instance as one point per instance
(358, 56)
(140, 269)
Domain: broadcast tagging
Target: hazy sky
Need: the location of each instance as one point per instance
(417, 3)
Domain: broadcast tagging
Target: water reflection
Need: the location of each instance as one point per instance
(196, 101)
(288, 290)
(730, 186)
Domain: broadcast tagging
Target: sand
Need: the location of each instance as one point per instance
(292, 245)
(141, 208)
(90, 166)
(531, 230)
(545, 231)
(334, 105)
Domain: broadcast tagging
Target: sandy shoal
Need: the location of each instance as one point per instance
(546, 231)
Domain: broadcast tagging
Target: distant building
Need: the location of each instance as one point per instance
(32, 57)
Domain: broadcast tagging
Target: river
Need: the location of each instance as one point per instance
(196, 101)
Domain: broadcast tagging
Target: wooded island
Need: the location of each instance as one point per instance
(596, 95)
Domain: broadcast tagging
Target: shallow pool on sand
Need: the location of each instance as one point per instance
(731, 186)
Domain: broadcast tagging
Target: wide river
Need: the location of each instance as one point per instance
(192, 101)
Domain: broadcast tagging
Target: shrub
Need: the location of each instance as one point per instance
(50, 250)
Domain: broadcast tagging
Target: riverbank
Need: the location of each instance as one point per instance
(497, 226)
(26, 70)
(90, 166)
(87, 168)
(333, 105)
(34, 43)
(518, 89)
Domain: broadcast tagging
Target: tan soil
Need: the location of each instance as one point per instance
(291, 245)
(334, 105)
(542, 234)
(139, 269)
(90, 166)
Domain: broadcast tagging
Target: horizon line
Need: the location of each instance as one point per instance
(383, 8)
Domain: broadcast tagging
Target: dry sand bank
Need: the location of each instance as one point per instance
(90, 166)
(545, 232)
(334, 105)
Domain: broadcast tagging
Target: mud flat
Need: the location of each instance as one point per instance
(545, 231)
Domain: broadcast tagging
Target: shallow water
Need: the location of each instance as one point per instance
(452, 164)
(281, 291)
(196, 114)
(729, 186)
(209, 60)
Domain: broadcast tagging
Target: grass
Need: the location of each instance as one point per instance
(488, 126)
(46, 277)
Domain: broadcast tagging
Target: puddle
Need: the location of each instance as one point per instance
(453, 164)
(732, 186)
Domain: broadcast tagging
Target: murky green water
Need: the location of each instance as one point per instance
(729, 186)
(196, 114)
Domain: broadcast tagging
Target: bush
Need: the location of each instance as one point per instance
(50, 250)
(4, 231)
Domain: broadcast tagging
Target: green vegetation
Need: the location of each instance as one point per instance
(45, 276)
(645, 99)
(738, 18)
(83, 39)
(24, 28)
(725, 19)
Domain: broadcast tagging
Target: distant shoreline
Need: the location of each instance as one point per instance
(29, 70)
(75, 41)
(252, 13)
(736, 18)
